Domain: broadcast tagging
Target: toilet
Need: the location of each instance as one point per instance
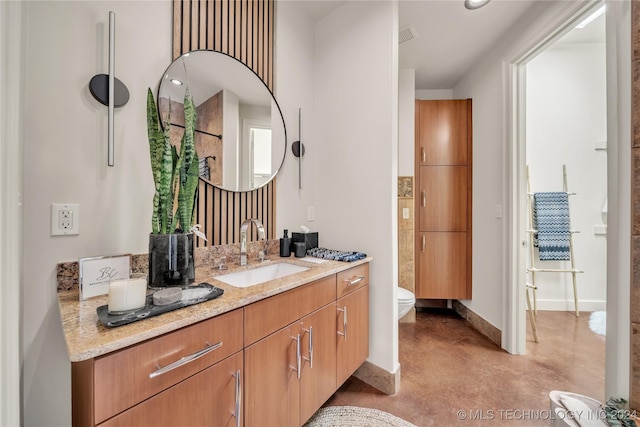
(406, 301)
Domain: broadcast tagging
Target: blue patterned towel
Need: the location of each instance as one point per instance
(551, 219)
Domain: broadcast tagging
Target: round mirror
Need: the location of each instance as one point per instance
(240, 134)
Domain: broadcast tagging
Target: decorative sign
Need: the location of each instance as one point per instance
(96, 272)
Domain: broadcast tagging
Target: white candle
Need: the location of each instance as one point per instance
(127, 294)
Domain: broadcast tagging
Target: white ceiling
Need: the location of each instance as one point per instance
(451, 39)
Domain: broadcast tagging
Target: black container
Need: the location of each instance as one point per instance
(300, 250)
(285, 245)
(310, 239)
(171, 261)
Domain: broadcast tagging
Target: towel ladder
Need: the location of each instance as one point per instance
(533, 311)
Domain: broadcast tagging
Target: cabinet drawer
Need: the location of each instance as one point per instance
(267, 316)
(352, 279)
(124, 378)
(210, 398)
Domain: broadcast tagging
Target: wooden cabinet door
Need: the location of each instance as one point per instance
(211, 398)
(442, 265)
(272, 388)
(318, 378)
(352, 333)
(443, 198)
(442, 132)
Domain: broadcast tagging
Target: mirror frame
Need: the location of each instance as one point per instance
(165, 80)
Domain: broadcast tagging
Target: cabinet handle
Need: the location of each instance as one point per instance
(344, 323)
(424, 242)
(310, 348)
(355, 280)
(423, 154)
(187, 359)
(424, 199)
(298, 356)
(238, 397)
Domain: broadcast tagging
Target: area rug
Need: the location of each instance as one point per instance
(353, 416)
(598, 322)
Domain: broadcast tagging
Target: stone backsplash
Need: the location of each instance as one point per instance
(68, 273)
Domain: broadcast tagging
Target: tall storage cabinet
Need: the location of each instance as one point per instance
(443, 198)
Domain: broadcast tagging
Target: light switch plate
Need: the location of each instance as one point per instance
(600, 229)
(405, 213)
(65, 219)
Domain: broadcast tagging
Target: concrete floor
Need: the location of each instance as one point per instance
(452, 375)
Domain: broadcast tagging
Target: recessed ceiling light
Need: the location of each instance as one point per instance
(592, 17)
(475, 4)
(176, 82)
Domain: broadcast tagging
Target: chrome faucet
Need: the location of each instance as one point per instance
(243, 238)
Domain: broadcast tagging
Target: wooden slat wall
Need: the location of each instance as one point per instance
(243, 29)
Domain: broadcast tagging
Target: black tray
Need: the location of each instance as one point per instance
(150, 310)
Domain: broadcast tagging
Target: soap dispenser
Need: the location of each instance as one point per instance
(285, 245)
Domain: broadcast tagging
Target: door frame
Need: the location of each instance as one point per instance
(514, 332)
(11, 167)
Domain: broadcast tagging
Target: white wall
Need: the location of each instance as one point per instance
(566, 115)
(357, 134)
(494, 154)
(406, 121)
(434, 94)
(294, 73)
(65, 161)
(485, 84)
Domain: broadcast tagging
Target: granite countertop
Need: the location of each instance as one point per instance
(87, 337)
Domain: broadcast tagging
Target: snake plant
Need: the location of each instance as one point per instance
(175, 176)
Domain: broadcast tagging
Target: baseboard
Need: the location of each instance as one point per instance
(431, 303)
(567, 305)
(381, 379)
(484, 327)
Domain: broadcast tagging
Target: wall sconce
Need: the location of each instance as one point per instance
(108, 90)
(298, 150)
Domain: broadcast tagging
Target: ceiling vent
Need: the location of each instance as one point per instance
(406, 33)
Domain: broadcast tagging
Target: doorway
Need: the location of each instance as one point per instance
(562, 122)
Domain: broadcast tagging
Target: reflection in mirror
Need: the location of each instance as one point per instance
(240, 132)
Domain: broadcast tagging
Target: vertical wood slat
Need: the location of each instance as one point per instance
(202, 25)
(243, 29)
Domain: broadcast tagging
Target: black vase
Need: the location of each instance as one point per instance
(171, 260)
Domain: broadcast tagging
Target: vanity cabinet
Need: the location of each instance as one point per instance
(273, 362)
(170, 367)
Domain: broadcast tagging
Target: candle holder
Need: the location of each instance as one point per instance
(127, 295)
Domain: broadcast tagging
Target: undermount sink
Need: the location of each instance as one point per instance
(255, 276)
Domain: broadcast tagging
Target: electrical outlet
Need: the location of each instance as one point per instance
(405, 213)
(65, 219)
(498, 211)
(311, 213)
